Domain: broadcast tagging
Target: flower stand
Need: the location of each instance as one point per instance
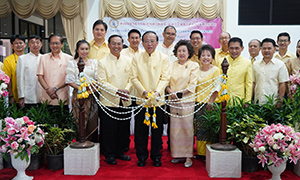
(276, 171)
(20, 166)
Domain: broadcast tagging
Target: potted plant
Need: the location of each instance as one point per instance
(242, 132)
(275, 145)
(55, 142)
(20, 138)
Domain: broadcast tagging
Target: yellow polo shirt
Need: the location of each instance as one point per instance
(150, 73)
(97, 52)
(240, 78)
(9, 67)
(288, 55)
(219, 56)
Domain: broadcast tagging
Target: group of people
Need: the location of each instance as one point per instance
(187, 71)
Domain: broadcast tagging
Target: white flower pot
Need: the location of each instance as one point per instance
(20, 166)
(276, 171)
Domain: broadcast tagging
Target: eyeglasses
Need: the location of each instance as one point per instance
(197, 38)
(150, 42)
(283, 41)
(55, 43)
(170, 34)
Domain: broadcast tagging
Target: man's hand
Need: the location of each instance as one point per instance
(21, 102)
(123, 94)
(209, 106)
(145, 93)
(50, 91)
(12, 100)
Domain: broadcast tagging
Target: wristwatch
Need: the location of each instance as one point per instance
(55, 89)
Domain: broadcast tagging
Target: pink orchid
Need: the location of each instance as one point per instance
(10, 120)
(11, 131)
(24, 135)
(263, 159)
(6, 79)
(30, 122)
(292, 77)
(5, 93)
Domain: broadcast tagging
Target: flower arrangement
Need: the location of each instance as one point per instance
(276, 144)
(4, 81)
(21, 137)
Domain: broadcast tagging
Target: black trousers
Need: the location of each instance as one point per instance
(114, 132)
(141, 132)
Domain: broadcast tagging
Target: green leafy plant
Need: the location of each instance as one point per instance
(243, 131)
(56, 139)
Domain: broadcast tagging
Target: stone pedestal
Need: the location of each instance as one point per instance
(223, 163)
(297, 168)
(81, 161)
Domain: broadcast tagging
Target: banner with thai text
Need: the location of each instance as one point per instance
(211, 29)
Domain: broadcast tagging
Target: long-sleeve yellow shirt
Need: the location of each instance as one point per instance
(240, 77)
(150, 73)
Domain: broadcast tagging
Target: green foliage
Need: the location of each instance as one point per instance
(243, 131)
(56, 139)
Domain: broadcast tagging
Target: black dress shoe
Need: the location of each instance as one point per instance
(141, 163)
(123, 157)
(157, 163)
(111, 161)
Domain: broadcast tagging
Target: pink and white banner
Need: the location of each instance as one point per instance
(211, 29)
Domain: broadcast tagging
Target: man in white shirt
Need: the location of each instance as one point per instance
(269, 74)
(167, 46)
(29, 89)
(254, 50)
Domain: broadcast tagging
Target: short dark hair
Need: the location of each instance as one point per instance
(236, 39)
(296, 49)
(77, 47)
(35, 37)
(255, 40)
(134, 31)
(184, 43)
(170, 26)
(114, 35)
(284, 34)
(16, 36)
(147, 32)
(268, 40)
(99, 21)
(209, 48)
(196, 31)
(58, 35)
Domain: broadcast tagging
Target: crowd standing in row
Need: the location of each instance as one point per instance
(167, 67)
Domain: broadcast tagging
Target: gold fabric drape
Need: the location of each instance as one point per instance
(73, 14)
(163, 9)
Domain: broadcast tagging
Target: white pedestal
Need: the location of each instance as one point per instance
(223, 163)
(297, 168)
(81, 161)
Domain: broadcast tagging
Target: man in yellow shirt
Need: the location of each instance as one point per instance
(150, 73)
(113, 73)
(196, 38)
(269, 74)
(239, 72)
(283, 41)
(10, 64)
(223, 50)
(134, 39)
(99, 46)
